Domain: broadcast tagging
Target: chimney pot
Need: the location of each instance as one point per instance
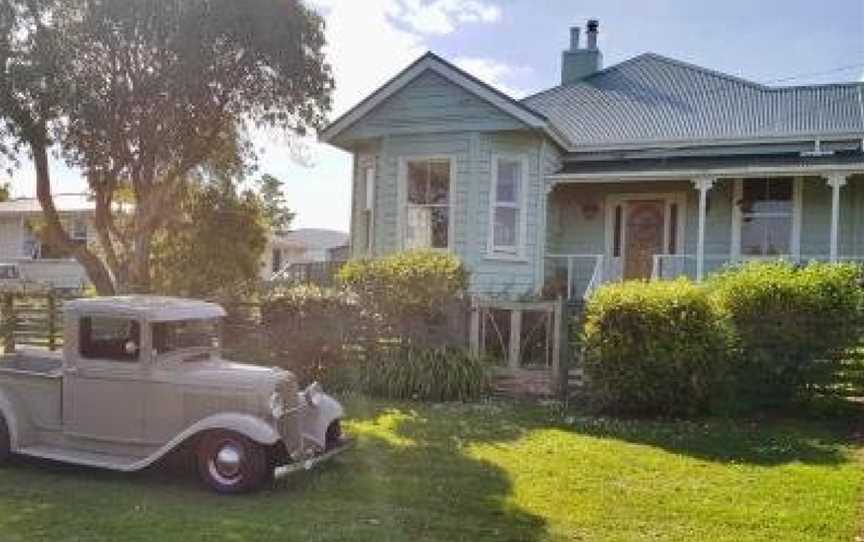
(593, 27)
(574, 38)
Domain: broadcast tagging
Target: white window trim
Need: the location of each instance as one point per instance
(517, 252)
(402, 196)
(369, 195)
(738, 218)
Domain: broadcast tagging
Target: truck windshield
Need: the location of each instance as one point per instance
(193, 335)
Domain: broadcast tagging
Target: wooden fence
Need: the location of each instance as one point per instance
(32, 319)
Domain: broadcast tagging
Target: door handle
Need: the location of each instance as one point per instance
(71, 371)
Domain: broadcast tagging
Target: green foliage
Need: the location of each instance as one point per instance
(314, 332)
(428, 374)
(653, 348)
(763, 334)
(410, 293)
(791, 324)
(276, 210)
(213, 247)
(141, 95)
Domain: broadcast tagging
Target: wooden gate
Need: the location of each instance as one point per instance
(526, 337)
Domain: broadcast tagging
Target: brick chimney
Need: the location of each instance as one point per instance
(578, 63)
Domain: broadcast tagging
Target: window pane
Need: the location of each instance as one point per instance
(509, 177)
(418, 182)
(767, 196)
(439, 189)
(506, 226)
(418, 227)
(116, 339)
(763, 236)
(440, 227)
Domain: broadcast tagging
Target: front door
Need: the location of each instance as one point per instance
(643, 236)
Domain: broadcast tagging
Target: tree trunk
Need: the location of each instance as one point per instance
(54, 232)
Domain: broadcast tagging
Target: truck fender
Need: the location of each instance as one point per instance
(318, 417)
(8, 414)
(249, 426)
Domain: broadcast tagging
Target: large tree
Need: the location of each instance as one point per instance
(139, 93)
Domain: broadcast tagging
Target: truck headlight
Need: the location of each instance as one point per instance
(277, 405)
(313, 394)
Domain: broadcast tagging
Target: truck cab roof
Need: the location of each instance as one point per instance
(145, 307)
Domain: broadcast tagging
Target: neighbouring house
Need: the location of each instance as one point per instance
(299, 250)
(36, 261)
(650, 168)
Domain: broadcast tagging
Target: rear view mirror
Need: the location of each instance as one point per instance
(130, 348)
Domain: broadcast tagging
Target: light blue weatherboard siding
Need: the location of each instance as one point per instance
(472, 153)
(429, 104)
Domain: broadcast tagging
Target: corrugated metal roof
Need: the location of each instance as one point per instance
(65, 203)
(651, 98)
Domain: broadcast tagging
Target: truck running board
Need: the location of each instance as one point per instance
(84, 458)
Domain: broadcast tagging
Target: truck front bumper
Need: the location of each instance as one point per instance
(313, 461)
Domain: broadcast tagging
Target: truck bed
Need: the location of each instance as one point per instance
(33, 361)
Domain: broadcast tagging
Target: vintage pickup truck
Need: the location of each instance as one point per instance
(142, 376)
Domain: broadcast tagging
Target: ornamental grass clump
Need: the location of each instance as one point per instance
(427, 374)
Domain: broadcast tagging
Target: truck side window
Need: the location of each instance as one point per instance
(117, 339)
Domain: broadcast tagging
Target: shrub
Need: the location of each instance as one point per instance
(653, 348)
(312, 331)
(429, 374)
(417, 296)
(790, 325)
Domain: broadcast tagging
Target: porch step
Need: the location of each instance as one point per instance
(84, 457)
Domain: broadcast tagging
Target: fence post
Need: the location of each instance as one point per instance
(8, 325)
(513, 355)
(52, 321)
(474, 339)
(558, 314)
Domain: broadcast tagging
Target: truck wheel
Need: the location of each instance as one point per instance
(5, 441)
(230, 463)
(334, 435)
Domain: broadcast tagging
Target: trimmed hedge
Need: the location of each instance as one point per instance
(790, 323)
(418, 296)
(653, 348)
(763, 334)
(308, 330)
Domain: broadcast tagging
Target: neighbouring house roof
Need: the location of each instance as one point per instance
(651, 99)
(65, 203)
(312, 238)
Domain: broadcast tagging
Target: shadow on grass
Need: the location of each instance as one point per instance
(761, 440)
(399, 482)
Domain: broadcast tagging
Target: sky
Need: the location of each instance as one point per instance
(516, 45)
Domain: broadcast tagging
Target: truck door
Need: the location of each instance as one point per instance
(104, 393)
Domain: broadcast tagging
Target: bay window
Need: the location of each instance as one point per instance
(427, 203)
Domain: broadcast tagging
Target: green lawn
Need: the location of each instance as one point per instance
(484, 472)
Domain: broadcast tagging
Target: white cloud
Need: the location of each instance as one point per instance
(442, 16)
(498, 74)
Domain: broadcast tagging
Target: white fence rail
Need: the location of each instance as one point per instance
(581, 274)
